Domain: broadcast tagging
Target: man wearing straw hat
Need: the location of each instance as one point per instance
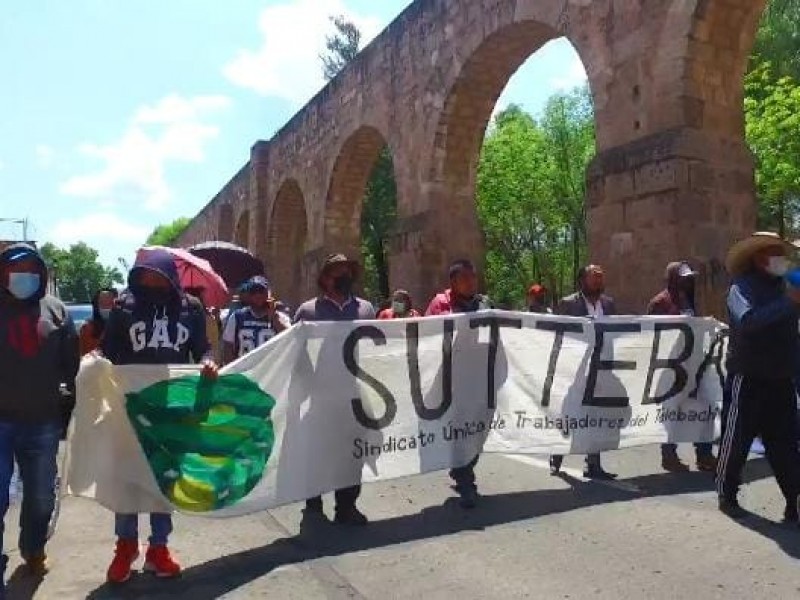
(762, 358)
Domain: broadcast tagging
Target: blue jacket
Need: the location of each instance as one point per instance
(763, 328)
(142, 330)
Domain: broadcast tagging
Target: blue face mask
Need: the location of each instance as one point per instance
(105, 313)
(23, 285)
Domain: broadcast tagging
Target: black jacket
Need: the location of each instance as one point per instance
(140, 331)
(38, 351)
(763, 328)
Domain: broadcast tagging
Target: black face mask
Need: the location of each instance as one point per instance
(157, 296)
(343, 285)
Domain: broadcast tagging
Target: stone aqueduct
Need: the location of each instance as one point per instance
(672, 177)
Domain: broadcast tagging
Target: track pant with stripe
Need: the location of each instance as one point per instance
(759, 407)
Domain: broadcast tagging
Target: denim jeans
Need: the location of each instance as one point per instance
(35, 448)
(127, 527)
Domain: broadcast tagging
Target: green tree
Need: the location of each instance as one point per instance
(165, 235)
(778, 39)
(341, 47)
(379, 211)
(772, 109)
(77, 272)
(531, 196)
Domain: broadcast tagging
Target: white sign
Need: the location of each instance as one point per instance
(326, 405)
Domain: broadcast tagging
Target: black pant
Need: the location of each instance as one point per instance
(701, 450)
(759, 407)
(592, 460)
(464, 477)
(345, 498)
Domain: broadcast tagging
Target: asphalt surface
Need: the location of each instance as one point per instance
(649, 535)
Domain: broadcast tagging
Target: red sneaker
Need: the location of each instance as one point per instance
(125, 555)
(159, 562)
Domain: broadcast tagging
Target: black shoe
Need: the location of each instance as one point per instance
(469, 499)
(597, 473)
(350, 516)
(730, 507)
(555, 464)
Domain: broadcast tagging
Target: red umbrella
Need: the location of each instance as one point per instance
(194, 272)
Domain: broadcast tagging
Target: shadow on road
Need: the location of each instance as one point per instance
(21, 585)
(320, 538)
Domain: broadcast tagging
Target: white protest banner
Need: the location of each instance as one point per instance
(326, 405)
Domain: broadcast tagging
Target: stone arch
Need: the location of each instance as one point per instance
(473, 96)
(225, 227)
(242, 237)
(348, 186)
(718, 50)
(488, 64)
(287, 236)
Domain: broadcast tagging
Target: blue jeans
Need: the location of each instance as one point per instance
(35, 448)
(127, 528)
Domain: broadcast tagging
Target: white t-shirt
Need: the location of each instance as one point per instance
(594, 310)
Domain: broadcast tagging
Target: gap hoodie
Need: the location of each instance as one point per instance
(144, 330)
(38, 350)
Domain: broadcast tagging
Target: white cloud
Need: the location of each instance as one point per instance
(573, 76)
(109, 234)
(133, 173)
(45, 155)
(96, 227)
(287, 65)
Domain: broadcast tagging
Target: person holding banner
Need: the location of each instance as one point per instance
(537, 300)
(38, 353)
(678, 298)
(763, 354)
(337, 302)
(253, 326)
(155, 323)
(401, 308)
(589, 301)
(462, 297)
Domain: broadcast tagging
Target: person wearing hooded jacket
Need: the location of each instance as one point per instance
(678, 298)
(154, 323)
(763, 353)
(38, 353)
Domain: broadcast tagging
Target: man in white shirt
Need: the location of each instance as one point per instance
(589, 301)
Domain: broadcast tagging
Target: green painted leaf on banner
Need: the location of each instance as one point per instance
(207, 443)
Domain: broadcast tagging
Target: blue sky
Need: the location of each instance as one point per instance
(122, 115)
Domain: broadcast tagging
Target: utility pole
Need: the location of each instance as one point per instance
(23, 222)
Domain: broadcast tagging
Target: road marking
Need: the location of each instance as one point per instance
(574, 473)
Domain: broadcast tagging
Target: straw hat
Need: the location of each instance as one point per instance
(740, 256)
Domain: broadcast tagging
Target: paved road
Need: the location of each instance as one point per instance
(650, 535)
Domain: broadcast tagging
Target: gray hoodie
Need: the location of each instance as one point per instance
(38, 350)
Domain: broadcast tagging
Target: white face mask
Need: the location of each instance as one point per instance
(778, 266)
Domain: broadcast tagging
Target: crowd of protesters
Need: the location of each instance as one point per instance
(155, 321)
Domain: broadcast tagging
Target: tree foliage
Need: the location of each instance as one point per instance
(531, 189)
(341, 46)
(379, 210)
(778, 39)
(772, 103)
(77, 272)
(166, 234)
(772, 108)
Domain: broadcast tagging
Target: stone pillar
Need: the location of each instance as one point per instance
(259, 199)
(424, 244)
(682, 194)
